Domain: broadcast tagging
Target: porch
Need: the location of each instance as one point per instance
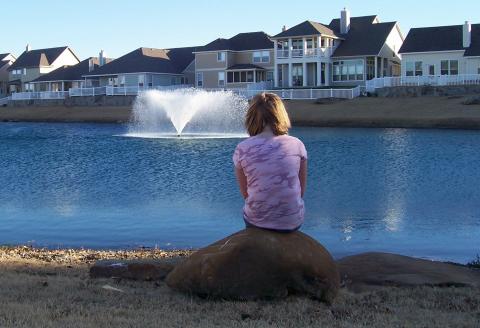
(304, 74)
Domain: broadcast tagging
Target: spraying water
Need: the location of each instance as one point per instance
(188, 113)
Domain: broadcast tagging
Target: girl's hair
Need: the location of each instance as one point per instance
(267, 109)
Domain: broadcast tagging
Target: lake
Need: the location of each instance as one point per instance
(413, 192)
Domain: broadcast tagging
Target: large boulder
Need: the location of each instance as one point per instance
(134, 269)
(255, 263)
(385, 269)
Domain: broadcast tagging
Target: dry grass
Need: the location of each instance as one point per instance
(38, 290)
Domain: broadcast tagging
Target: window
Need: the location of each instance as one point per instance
(141, 80)
(409, 68)
(200, 79)
(230, 77)
(418, 68)
(221, 56)
(348, 70)
(221, 79)
(243, 76)
(261, 56)
(449, 67)
(431, 69)
(478, 70)
(122, 80)
(297, 74)
(249, 76)
(270, 75)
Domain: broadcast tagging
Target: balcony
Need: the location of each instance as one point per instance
(304, 53)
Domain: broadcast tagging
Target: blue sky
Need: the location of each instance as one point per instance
(121, 26)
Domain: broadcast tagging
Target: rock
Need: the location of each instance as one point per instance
(384, 269)
(255, 263)
(134, 269)
(472, 100)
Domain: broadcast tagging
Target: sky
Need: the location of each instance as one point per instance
(120, 26)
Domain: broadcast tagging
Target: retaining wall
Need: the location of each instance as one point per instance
(76, 102)
(418, 91)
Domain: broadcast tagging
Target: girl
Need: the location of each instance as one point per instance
(271, 167)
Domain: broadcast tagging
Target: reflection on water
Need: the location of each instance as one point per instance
(409, 191)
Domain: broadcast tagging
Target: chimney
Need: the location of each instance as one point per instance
(467, 34)
(91, 65)
(102, 60)
(284, 28)
(344, 21)
(28, 48)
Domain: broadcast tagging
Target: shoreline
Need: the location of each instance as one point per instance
(430, 112)
(54, 289)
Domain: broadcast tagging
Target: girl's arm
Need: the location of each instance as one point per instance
(302, 175)
(242, 181)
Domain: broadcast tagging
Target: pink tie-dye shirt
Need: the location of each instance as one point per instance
(271, 165)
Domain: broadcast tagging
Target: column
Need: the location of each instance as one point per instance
(304, 69)
(289, 47)
(275, 75)
(304, 46)
(275, 49)
(376, 67)
(327, 74)
(319, 74)
(319, 42)
(289, 75)
(63, 85)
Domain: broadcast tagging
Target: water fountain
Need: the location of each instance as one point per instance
(188, 113)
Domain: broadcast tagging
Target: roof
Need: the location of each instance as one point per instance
(245, 66)
(441, 38)
(2, 56)
(307, 28)
(38, 57)
(364, 39)
(168, 61)
(359, 20)
(69, 73)
(240, 42)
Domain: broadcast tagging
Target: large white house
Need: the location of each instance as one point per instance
(442, 50)
(348, 51)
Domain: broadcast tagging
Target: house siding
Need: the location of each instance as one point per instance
(434, 58)
(208, 60)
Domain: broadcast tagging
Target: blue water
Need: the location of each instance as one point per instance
(414, 192)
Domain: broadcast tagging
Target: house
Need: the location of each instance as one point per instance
(146, 67)
(442, 50)
(347, 51)
(66, 77)
(6, 60)
(34, 63)
(236, 62)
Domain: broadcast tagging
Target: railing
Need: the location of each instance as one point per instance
(39, 95)
(4, 101)
(304, 94)
(434, 80)
(87, 92)
(309, 52)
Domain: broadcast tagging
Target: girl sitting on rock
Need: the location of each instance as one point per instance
(271, 167)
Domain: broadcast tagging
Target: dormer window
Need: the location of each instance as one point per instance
(221, 55)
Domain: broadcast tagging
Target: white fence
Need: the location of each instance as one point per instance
(120, 91)
(4, 101)
(305, 94)
(39, 95)
(434, 80)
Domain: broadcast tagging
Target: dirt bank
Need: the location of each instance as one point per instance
(40, 288)
(413, 112)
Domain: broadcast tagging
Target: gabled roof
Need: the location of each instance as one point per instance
(39, 57)
(364, 39)
(358, 21)
(441, 38)
(3, 56)
(307, 28)
(69, 73)
(240, 42)
(168, 61)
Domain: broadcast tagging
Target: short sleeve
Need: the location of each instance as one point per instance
(303, 152)
(236, 157)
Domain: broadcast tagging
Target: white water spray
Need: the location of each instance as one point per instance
(188, 113)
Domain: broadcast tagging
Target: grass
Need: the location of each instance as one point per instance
(41, 290)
